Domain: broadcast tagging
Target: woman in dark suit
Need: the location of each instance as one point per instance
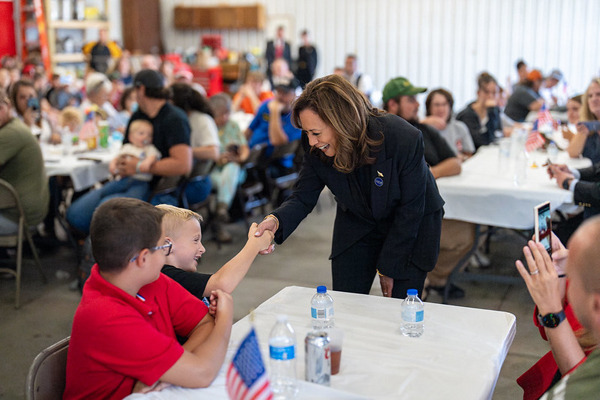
(389, 211)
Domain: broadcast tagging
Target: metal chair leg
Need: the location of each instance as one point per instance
(19, 266)
(36, 257)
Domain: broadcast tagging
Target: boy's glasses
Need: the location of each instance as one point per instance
(167, 247)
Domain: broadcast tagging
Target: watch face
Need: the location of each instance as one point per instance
(552, 320)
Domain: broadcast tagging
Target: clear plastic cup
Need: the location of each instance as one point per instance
(336, 337)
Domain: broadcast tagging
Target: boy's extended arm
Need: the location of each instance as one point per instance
(205, 349)
(231, 274)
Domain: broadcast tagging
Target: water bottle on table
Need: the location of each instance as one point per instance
(282, 356)
(321, 309)
(552, 151)
(412, 314)
(521, 166)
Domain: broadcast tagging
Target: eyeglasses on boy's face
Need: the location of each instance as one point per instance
(166, 248)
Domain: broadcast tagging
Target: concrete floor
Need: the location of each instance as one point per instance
(47, 310)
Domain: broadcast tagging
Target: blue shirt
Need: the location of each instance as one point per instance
(260, 131)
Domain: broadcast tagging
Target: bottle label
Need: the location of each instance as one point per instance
(282, 353)
(419, 316)
(321, 313)
(412, 316)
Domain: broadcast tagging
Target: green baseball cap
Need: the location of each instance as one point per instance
(400, 87)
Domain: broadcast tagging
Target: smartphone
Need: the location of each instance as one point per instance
(543, 225)
(33, 103)
(593, 126)
(234, 149)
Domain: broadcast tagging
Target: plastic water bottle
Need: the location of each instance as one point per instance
(552, 152)
(521, 165)
(282, 355)
(412, 314)
(321, 309)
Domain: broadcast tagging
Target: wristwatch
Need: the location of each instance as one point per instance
(552, 320)
(567, 183)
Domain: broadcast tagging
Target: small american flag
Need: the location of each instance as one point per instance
(535, 140)
(246, 376)
(544, 117)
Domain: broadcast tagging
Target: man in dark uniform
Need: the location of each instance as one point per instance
(307, 60)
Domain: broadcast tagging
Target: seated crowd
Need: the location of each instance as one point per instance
(175, 136)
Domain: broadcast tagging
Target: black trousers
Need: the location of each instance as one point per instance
(354, 269)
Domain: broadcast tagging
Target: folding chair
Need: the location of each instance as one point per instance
(170, 186)
(280, 185)
(251, 194)
(9, 199)
(47, 375)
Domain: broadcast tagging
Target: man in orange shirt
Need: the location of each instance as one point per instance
(250, 96)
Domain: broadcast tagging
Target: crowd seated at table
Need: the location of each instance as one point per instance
(39, 104)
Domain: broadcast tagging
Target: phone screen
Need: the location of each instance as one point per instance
(543, 225)
(593, 126)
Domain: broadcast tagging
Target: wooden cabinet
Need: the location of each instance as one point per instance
(141, 26)
(71, 28)
(222, 17)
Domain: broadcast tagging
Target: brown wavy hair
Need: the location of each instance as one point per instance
(347, 111)
(585, 114)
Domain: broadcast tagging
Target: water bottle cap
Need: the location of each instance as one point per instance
(412, 292)
(321, 289)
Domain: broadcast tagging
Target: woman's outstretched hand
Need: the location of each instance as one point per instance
(268, 224)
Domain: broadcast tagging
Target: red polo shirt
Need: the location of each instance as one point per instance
(118, 339)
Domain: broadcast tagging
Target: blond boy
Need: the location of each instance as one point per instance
(182, 228)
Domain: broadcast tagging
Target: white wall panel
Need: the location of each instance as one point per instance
(432, 42)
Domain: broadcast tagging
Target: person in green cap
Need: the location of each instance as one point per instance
(389, 210)
(399, 98)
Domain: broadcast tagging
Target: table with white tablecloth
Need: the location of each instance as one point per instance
(461, 351)
(84, 168)
(487, 192)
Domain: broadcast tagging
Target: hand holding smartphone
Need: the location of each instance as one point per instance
(543, 225)
(593, 126)
(234, 149)
(33, 103)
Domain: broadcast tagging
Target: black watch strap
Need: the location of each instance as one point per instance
(567, 183)
(552, 320)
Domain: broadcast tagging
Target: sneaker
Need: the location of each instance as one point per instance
(222, 212)
(478, 260)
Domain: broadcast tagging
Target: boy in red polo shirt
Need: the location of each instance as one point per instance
(123, 337)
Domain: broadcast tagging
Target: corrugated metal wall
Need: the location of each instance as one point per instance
(432, 42)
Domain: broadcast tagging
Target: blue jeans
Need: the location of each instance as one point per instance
(8, 226)
(226, 180)
(79, 214)
(197, 192)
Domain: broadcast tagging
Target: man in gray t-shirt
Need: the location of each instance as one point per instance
(21, 165)
(525, 97)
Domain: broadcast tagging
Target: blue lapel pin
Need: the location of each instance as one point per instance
(379, 179)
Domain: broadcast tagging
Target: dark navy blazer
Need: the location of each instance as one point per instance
(404, 202)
